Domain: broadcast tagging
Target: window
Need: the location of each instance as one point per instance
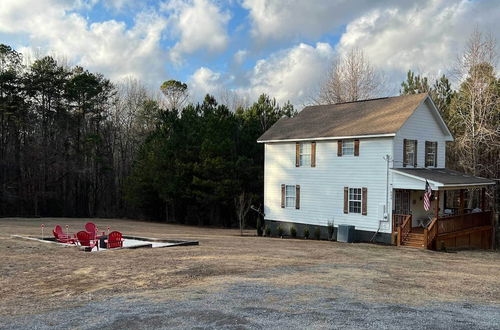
(290, 196)
(410, 152)
(430, 153)
(348, 147)
(354, 200)
(305, 154)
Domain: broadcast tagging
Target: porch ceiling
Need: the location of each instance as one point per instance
(438, 178)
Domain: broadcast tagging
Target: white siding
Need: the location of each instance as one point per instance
(421, 126)
(322, 187)
(400, 181)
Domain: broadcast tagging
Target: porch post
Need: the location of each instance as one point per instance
(437, 203)
(461, 206)
(483, 197)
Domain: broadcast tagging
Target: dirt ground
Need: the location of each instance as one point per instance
(38, 279)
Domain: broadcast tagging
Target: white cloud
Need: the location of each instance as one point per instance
(425, 37)
(396, 36)
(240, 56)
(199, 24)
(291, 75)
(119, 4)
(204, 81)
(282, 19)
(108, 47)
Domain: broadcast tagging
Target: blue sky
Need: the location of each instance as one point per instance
(246, 47)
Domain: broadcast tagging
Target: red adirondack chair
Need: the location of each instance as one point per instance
(86, 239)
(63, 237)
(114, 240)
(91, 228)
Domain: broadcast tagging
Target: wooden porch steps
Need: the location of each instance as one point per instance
(415, 240)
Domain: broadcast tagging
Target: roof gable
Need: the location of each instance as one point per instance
(383, 116)
(430, 112)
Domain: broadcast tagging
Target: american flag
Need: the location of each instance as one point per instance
(427, 196)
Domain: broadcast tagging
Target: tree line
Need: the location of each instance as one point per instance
(74, 144)
(202, 165)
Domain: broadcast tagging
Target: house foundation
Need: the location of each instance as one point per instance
(360, 235)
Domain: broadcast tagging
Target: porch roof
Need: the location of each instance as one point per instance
(440, 178)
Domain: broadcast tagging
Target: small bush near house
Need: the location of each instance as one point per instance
(267, 231)
(317, 233)
(259, 227)
(306, 232)
(281, 231)
(330, 228)
(293, 231)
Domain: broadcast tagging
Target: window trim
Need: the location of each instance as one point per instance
(413, 144)
(287, 196)
(433, 145)
(344, 142)
(302, 154)
(360, 200)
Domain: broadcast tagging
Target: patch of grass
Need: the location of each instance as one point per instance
(31, 285)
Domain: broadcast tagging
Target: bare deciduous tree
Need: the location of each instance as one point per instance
(131, 128)
(475, 112)
(232, 99)
(242, 205)
(351, 78)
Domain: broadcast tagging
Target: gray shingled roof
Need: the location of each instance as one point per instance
(445, 176)
(369, 117)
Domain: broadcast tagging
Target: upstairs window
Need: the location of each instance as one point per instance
(348, 147)
(290, 196)
(410, 153)
(354, 200)
(430, 154)
(305, 154)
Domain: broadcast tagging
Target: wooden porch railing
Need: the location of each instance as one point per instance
(397, 220)
(430, 233)
(404, 229)
(464, 221)
(446, 228)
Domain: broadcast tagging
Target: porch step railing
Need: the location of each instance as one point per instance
(397, 220)
(441, 227)
(404, 229)
(430, 234)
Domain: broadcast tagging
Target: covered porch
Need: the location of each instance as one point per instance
(459, 215)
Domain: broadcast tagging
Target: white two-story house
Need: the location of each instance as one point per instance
(366, 164)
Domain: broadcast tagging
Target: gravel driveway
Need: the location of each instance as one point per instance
(256, 305)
